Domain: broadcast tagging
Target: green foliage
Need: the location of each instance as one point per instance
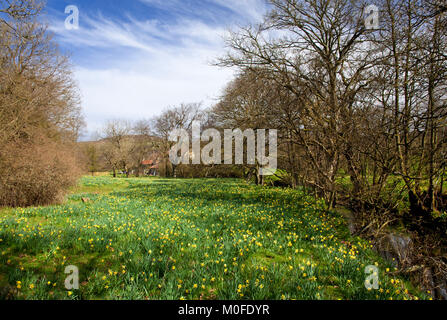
(280, 175)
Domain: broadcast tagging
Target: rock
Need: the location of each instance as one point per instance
(442, 292)
(402, 246)
(396, 249)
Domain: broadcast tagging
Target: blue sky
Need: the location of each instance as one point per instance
(134, 58)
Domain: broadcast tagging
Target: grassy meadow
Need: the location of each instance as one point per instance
(187, 239)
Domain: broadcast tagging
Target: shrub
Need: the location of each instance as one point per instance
(36, 173)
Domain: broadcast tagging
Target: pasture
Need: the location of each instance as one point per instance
(187, 239)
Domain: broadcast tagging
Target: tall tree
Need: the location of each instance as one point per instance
(118, 146)
(314, 49)
(174, 118)
(39, 109)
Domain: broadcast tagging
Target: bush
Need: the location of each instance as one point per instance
(36, 174)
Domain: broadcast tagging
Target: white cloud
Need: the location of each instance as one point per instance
(142, 66)
(144, 88)
(251, 10)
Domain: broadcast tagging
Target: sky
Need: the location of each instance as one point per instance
(134, 58)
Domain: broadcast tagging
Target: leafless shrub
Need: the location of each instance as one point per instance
(40, 115)
(37, 173)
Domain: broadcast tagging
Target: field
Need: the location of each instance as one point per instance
(187, 239)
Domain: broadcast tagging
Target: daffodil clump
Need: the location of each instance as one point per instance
(188, 239)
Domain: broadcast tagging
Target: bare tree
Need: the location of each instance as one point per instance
(413, 68)
(248, 103)
(319, 58)
(118, 145)
(39, 108)
(144, 143)
(92, 158)
(173, 118)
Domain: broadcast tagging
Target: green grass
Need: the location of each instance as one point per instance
(187, 239)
